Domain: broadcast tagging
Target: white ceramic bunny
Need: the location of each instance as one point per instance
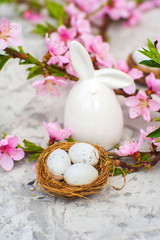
(92, 110)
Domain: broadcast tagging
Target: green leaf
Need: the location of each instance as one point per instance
(150, 63)
(154, 134)
(118, 171)
(144, 157)
(35, 4)
(31, 147)
(157, 119)
(153, 53)
(151, 47)
(147, 167)
(3, 60)
(42, 29)
(70, 139)
(158, 140)
(34, 156)
(56, 72)
(21, 49)
(4, 134)
(6, 1)
(55, 10)
(34, 71)
(32, 59)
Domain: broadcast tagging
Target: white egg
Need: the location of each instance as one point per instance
(80, 174)
(84, 153)
(57, 162)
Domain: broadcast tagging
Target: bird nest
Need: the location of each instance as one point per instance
(52, 186)
(146, 70)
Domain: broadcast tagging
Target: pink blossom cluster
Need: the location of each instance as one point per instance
(48, 86)
(33, 17)
(141, 103)
(132, 147)
(80, 30)
(153, 84)
(133, 73)
(130, 11)
(56, 132)
(9, 33)
(9, 152)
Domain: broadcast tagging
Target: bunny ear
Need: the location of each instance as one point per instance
(81, 61)
(113, 78)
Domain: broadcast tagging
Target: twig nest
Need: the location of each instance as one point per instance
(133, 61)
(49, 183)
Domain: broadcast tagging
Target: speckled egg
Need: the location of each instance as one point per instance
(57, 162)
(80, 174)
(84, 153)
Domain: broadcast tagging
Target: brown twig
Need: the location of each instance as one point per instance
(14, 54)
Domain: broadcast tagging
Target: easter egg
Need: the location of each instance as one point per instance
(84, 153)
(57, 162)
(80, 174)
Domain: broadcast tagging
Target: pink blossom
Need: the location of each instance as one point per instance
(66, 34)
(55, 45)
(156, 3)
(9, 152)
(46, 86)
(130, 147)
(153, 83)
(59, 60)
(120, 9)
(140, 105)
(32, 16)
(70, 70)
(56, 132)
(9, 33)
(98, 49)
(81, 25)
(133, 73)
(149, 130)
(72, 10)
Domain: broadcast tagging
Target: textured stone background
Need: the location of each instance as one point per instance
(132, 213)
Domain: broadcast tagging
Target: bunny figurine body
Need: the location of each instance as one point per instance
(92, 110)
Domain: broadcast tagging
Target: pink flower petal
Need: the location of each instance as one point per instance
(61, 82)
(153, 105)
(38, 83)
(152, 82)
(135, 73)
(17, 154)
(121, 65)
(146, 114)
(54, 91)
(142, 95)
(14, 41)
(12, 140)
(131, 89)
(132, 101)
(4, 25)
(6, 162)
(134, 112)
(41, 91)
(3, 44)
